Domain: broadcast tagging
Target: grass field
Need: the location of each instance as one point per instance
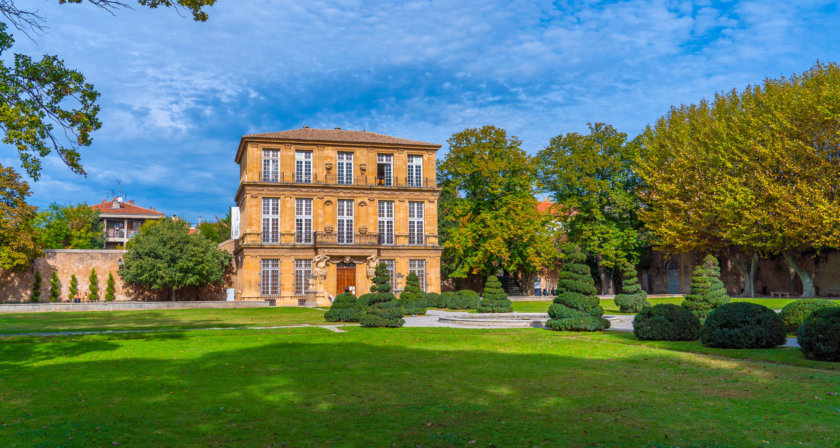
(158, 319)
(430, 387)
(611, 308)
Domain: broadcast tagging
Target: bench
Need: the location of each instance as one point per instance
(780, 294)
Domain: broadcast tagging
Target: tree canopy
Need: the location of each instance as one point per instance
(164, 256)
(756, 170)
(18, 239)
(590, 177)
(488, 208)
(217, 231)
(70, 227)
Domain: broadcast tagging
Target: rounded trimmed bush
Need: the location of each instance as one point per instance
(666, 322)
(576, 308)
(794, 313)
(447, 300)
(632, 298)
(345, 308)
(819, 335)
(743, 325)
(364, 299)
(465, 299)
(382, 309)
(494, 299)
(432, 300)
(411, 299)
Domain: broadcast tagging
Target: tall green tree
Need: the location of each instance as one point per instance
(217, 231)
(110, 288)
(55, 288)
(164, 256)
(18, 238)
(488, 208)
(590, 177)
(750, 171)
(70, 227)
(93, 286)
(47, 107)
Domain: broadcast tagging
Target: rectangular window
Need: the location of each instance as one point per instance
(270, 277)
(418, 267)
(303, 167)
(303, 268)
(392, 272)
(271, 165)
(415, 171)
(271, 220)
(386, 222)
(303, 221)
(345, 221)
(415, 223)
(344, 169)
(384, 170)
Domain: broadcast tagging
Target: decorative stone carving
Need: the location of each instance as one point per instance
(362, 204)
(328, 202)
(362, 168)
(370, 263)
(362, 230)
(319, 273)
(328, 165)
(328, 228)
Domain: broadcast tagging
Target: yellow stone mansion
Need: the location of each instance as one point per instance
(320, 208)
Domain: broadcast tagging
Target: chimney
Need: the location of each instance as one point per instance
(131, 201)
(306, 127)
(337, 129)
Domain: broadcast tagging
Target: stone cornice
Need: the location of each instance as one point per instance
(257, 188)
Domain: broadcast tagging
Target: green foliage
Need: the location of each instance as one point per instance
(411, 299)
(576, 307)
(743, 325)
(794, 313)
(93, 281)
(195, 7)
(494, 299)
(632, 298)
(488, 214)
(18, 239)
(432, 300)
(819, 335)
(666, 322)
(748, 169)
(110, 288)
(383, 309)
(164, 256)
(591, 178)
(218, 231)
(707, 290)
(70, 227)
(345, 308)
(36, 288)
(446, 298)
(55, 288)
(74, 286)
(364, 299)
(464, 299)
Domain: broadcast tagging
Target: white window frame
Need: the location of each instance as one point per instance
(303, 221)
(345, 221)
(386, 222)
(271, 165)
(269, 277)
(391, 265)
(344, 168)
(303, 269)
(416, 225)
(418, 267)
(271, 220)
(414, 176)
(303, 167)
(388, 161)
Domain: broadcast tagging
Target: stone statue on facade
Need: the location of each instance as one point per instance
(371, 262)
(319, 273)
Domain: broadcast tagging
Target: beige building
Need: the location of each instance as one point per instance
(320, 208)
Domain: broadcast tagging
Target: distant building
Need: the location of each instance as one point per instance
(122, 220)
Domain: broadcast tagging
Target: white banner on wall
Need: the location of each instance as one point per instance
(234, 223)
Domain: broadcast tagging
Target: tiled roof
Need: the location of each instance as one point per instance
(544, 206)
(340, 136)
(125, 208)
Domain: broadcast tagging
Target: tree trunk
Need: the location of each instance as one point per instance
(526, 282)
(607, 287)
(805, 277)
(748, 272)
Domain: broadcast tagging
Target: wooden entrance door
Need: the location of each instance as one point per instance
(345, 278)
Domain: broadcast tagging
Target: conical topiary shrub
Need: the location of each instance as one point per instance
(383, 309)
(36, 288)
(345, 308)
(55, 288)
(411, 299)
(576, 307)
(110, 288)
(707, 290)
(632, 298)
(494, 299)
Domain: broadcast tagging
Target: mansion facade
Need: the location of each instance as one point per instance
(319, 209)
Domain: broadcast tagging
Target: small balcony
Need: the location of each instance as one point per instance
(354, 181)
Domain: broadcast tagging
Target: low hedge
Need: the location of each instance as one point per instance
(345, 308)
(432, 300)
(666, 322)
(794, 313)
(465, 299)
(743, 325)
(819, 335)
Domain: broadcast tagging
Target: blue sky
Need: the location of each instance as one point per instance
(177, 95)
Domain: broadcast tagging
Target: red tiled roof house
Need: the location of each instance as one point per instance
(122, 220)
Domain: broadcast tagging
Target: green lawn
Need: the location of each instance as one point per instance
(429, 387)
(159, 319)
(610, 308)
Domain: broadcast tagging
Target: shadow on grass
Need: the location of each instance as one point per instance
(435, 387)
